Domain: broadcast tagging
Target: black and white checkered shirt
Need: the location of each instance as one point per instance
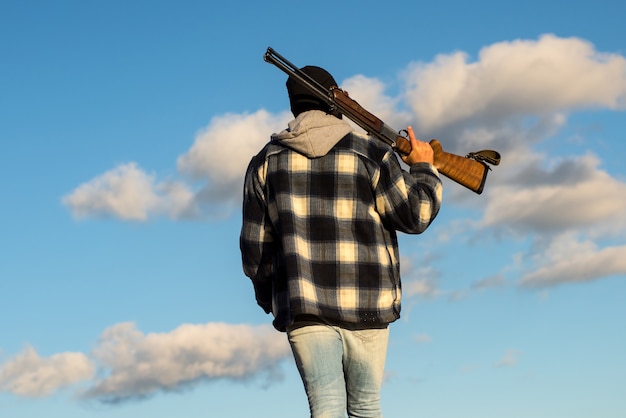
(319, 234)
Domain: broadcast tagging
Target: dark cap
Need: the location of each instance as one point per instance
(301, 99)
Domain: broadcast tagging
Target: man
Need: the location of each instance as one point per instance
(321, 208)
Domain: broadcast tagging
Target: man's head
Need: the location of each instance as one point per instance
(301, 99)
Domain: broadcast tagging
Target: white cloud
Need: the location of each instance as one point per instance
(30, 375)
(422, 339)
(221, 151)
(138, 365)
(574, 194)
(421, 287)
(134, 365)
(568, 260)
(419, 276)
(129, 193)
(489, 282)
(518, 77)
(218, 158)
(510, 358)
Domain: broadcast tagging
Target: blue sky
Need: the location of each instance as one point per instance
(124, 131)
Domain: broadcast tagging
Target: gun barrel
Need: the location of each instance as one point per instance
(316, 88)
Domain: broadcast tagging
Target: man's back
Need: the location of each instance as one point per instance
(334, 218)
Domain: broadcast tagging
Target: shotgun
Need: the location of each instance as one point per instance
(469, 171)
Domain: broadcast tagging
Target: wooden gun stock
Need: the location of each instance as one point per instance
(462, 170)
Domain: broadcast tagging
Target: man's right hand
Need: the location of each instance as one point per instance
(421, 152)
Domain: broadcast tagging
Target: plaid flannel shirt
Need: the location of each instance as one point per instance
(319, 234)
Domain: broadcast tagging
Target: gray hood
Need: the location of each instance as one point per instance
(313, 133)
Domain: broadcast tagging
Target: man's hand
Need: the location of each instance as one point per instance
(421, 152)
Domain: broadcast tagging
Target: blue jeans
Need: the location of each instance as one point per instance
(342, 369)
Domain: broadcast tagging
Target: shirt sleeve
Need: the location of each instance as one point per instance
(408, 201)
(256, 241)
